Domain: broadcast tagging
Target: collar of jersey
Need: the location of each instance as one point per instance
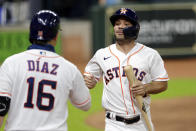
(47, 47)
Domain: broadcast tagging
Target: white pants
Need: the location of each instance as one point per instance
(113, 125)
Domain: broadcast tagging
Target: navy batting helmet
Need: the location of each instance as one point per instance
(44, 26)
(130, 15)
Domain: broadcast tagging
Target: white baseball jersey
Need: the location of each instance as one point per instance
(39, 83)
(108, 63)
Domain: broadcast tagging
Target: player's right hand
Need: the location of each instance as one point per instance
(138, 89)
(90, 80)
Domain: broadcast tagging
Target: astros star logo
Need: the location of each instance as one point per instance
(123, 11)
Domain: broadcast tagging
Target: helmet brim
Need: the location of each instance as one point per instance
(114, 18)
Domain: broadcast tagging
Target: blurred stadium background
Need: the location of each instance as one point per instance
(169, 26)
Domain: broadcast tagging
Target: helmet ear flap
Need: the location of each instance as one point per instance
(131, 32)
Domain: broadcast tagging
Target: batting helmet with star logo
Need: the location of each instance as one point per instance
(130, 15)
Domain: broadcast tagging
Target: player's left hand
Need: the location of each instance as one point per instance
(90, 80)
(138, 89)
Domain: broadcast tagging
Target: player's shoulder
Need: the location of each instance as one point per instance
(69, 68)
(105, 50)
(14, 57)
(100, 51)
(19, 57)
(68, 63)
(148, 49)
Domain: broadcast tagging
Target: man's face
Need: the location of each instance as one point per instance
(119, 25)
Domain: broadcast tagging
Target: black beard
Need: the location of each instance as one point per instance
(122, 40)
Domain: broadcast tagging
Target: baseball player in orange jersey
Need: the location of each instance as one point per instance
(122, 113)
(36, 84)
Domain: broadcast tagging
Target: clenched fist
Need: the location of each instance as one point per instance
(90, 80)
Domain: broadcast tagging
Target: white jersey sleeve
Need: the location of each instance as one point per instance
(93, 66)
(6, 79)
(157, 69)
(79, 94)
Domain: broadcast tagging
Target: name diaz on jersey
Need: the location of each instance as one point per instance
(114, 73)
(43, 68)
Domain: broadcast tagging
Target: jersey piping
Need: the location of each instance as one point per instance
(134, 54)
(82, 102)
(5, 93)
(129, 83)
(120, 79)
(162, 78)
(131, 98)
(43, 56)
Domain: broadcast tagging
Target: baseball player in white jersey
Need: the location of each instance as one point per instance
(36, 84)
(122, 113)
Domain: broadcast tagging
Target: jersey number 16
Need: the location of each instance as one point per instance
(40, 94)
